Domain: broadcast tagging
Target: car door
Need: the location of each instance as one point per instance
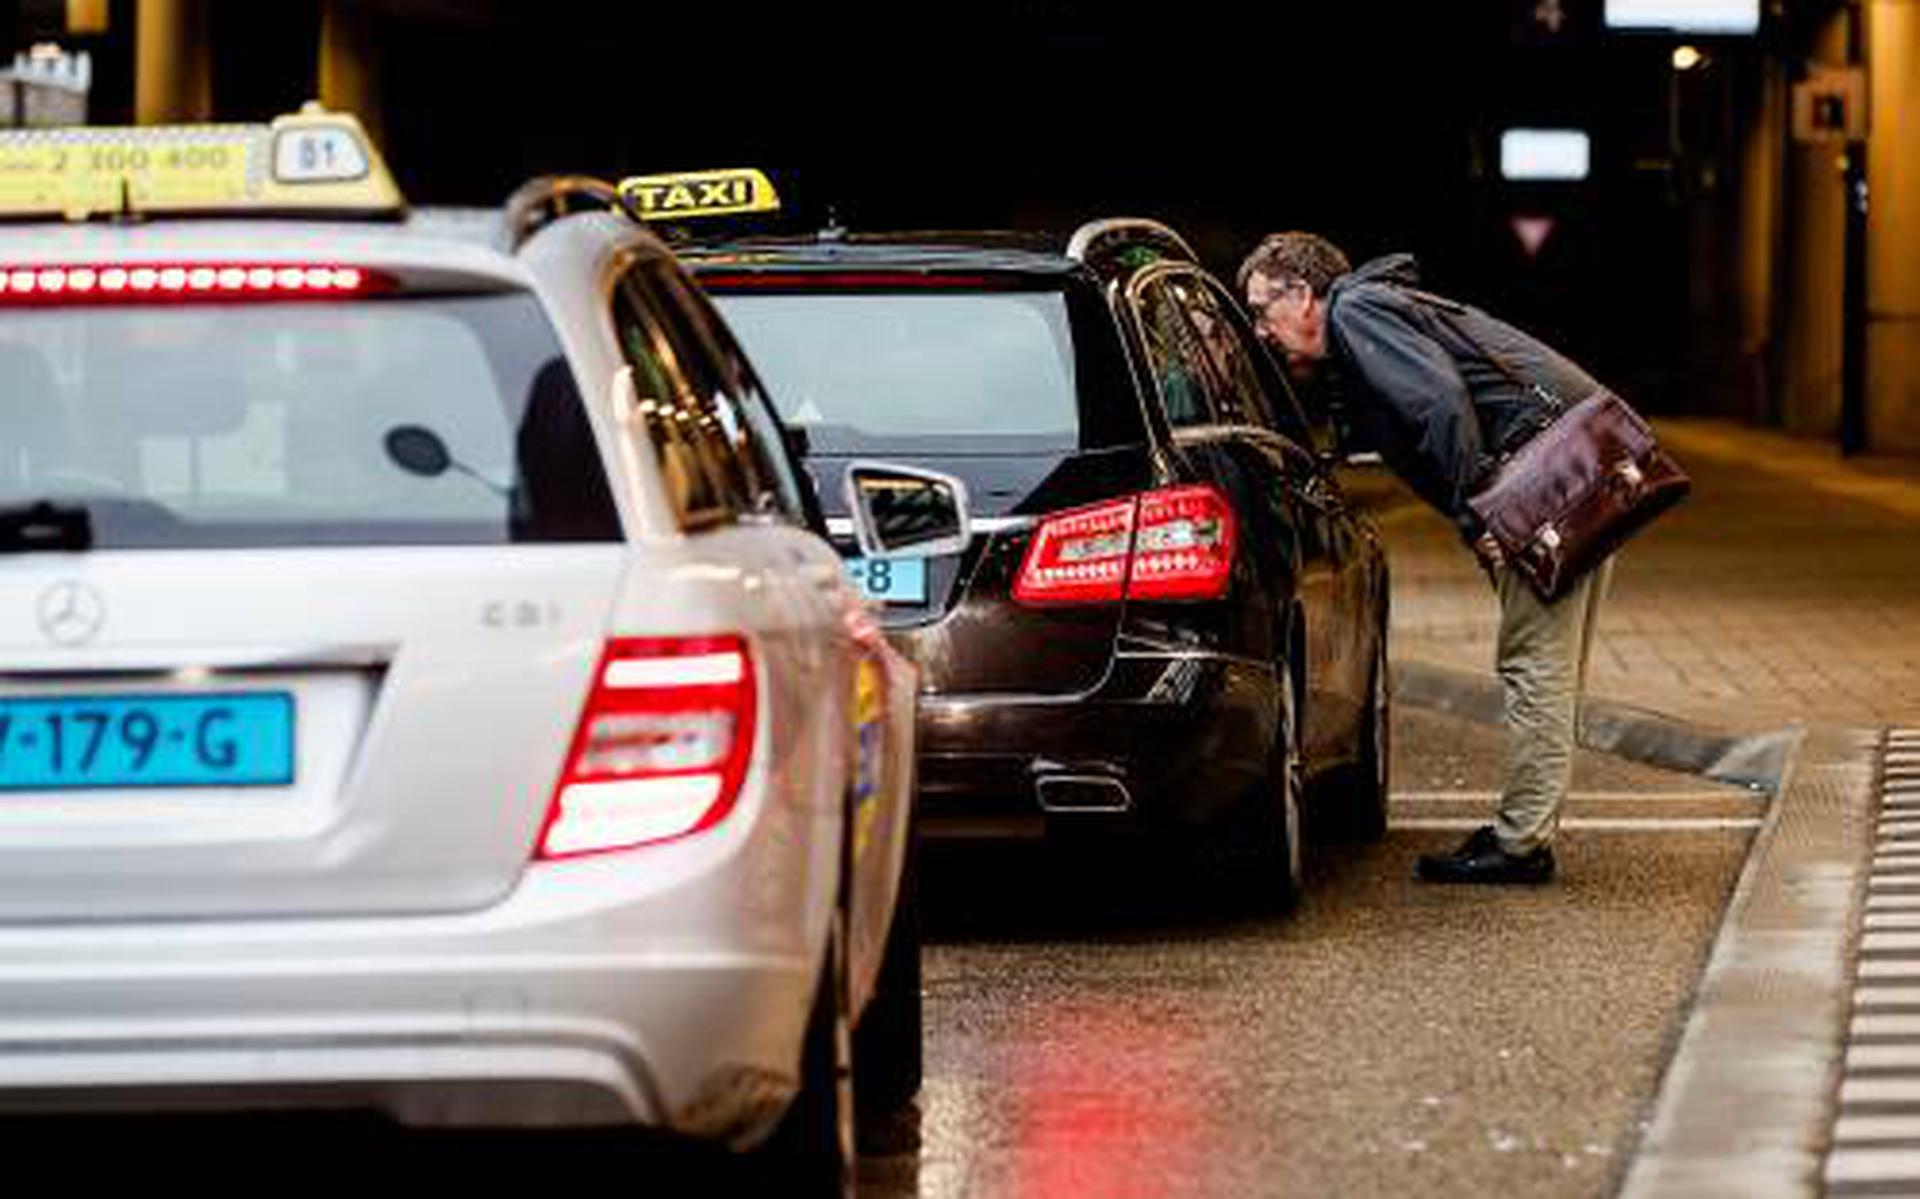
(1342, 625)
(1331, 587)
(1210, 430)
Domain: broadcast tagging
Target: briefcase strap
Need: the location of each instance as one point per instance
(1443, 310)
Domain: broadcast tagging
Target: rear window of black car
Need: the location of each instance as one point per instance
(212, 425)
(936, 368)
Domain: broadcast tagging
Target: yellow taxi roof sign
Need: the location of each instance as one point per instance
(313, 162)
(697, 194)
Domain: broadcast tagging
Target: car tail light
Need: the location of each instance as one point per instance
(1184, 546)
(661, 749)
(1172, 544)
(146, 282)
(1079, 556)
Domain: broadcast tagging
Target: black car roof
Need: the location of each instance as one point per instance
(976, 250)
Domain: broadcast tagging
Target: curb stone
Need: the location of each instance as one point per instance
(1746, 1103)
(1756, 760)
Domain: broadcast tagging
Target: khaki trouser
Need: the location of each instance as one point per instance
(1542, 662)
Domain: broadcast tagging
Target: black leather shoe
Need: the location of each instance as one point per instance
(1481, 860)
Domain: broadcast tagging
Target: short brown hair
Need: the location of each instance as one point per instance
(1284, 257)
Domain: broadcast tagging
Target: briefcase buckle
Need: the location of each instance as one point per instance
(1548, 537)
(1630, 473)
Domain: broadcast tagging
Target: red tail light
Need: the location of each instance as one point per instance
(1079, 556)
(661, 749)
(1184, 549)
(145, 282)
(1172, 544)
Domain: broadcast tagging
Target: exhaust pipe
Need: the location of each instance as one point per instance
(1083, 793)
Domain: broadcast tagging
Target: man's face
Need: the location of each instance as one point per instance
(1286, 313)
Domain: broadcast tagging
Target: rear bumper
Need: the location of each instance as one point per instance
(666, 987)
(1164, 741)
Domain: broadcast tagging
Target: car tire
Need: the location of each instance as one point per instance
(1266, 840)
(1283, 845)
(811, 1151)
(888, 1045)
(1361, 812)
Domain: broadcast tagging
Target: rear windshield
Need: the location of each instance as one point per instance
(270, 424)
(932, 370)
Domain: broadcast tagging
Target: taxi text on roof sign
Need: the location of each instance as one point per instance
(698, 194)
(312, 163)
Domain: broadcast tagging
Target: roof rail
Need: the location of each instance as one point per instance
(1102, 240)
(542, 200)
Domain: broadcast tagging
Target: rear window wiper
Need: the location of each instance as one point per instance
(44, 525)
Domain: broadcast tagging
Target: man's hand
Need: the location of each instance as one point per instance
(1491, 558)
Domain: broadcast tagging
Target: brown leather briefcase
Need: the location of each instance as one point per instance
(1577, 490)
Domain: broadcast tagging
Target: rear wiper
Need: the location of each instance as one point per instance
(44, 525)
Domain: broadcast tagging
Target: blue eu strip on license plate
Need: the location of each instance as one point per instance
(890, 580)
(52, 743)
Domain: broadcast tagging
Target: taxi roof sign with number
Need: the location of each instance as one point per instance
(314, 162)
(697, 194)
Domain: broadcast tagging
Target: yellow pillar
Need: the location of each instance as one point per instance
(87, 16)
(1761, 198)
(350, 62)
(173, 62)
(1815, 271)
(1893, 226)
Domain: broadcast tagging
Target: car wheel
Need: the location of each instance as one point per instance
(1362, 813)
(811, 1151)
(1266, 840)
(887, 1046)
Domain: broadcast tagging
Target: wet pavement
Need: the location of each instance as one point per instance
(1099, 1025)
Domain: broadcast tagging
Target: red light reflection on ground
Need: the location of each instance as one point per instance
(1110, 1103)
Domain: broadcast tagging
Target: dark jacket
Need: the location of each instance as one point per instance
(1440, 388)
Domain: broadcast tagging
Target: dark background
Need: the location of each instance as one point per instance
(1375, 123)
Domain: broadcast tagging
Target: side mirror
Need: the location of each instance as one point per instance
(418, 451)
(901, 511)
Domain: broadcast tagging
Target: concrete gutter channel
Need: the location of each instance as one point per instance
(1747, 1104)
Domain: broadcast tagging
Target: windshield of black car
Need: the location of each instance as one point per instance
(267, 424)
(873, 370)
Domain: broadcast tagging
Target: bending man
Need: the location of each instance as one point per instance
(1442, 390)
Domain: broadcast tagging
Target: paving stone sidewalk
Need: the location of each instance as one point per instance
(1785, 590)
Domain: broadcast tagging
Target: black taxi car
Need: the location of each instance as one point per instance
(1169, 617)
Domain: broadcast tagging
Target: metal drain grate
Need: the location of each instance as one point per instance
(1876, 1140)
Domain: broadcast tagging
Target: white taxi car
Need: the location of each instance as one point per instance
(420, 686)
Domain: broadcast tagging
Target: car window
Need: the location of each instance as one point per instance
(736, 386)
(690, 410)
(208, 425)
(893, 371)
(1255, 364)
(1242, 397)
(1175, 353)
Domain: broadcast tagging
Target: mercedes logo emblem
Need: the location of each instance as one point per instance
(71, 613)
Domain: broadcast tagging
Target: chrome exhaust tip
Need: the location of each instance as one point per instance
(1083, 793)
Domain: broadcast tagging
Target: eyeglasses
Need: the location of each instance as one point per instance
(1274, 295)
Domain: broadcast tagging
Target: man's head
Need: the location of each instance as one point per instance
(1285, 282)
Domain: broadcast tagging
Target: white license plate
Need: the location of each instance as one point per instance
(890, 580)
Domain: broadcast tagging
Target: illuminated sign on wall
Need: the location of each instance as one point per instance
(1545, 154)
(1685, 16)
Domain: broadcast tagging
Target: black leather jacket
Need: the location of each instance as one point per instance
(1440, 388)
